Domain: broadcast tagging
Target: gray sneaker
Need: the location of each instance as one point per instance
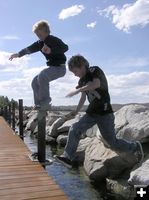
(139, 154)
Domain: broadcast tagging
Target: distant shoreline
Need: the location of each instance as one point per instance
(70, 108)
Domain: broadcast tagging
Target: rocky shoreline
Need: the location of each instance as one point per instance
(101, 163)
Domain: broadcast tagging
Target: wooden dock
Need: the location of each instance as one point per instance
(20, 178)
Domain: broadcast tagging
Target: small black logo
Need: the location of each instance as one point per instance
(142, 193)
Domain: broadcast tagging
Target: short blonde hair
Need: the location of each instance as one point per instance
(77, 61)
(41, 25)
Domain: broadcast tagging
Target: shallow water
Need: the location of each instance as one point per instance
(74, 182)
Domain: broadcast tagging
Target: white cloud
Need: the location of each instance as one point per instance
(91, 25)
(12, 66)
(21, 88)
(128, 16)
(9, 37)
(71, 11)
(133, 87)
(129, 62)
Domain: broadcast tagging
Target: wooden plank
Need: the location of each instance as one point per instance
(25, 184)
(20, 178)
(53, 198)
(31, 195)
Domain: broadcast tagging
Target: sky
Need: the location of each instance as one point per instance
(111, 34)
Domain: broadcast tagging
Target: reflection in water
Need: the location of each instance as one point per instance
(74, 182)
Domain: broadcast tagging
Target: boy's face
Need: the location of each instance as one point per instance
(79, 72)
(41, 34)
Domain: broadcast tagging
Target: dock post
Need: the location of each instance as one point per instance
(5, 113)
(9, 115)
(13, 116)
(2, 111)
(21, 119)
(41, 136)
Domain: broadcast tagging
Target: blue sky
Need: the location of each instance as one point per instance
(109, 33)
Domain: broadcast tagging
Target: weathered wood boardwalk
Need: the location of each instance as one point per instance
(20, 178)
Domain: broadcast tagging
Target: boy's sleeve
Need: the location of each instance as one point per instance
(57, 45)
(35, 47)
(79, 84)
(96, 72)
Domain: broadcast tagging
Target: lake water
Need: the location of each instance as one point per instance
(74, 182)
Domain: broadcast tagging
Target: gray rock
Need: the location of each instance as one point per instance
(120, 188)
(91, 132)
(50, 140)
(140, 176)
(67, 124)
(101, 162)
(54, 130)
(62, 140)
(83, 144)
(52, 117)
(132, 122)
(32, 122)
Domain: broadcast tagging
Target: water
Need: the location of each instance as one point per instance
(74, 182)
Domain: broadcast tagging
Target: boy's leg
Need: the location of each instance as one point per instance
(35, 87)
(75, 132)
(47, 75)
(107, 129)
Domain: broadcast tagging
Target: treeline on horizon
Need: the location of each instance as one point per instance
(5, 101)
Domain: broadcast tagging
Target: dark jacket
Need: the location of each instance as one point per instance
(99, 99)
(58, 48)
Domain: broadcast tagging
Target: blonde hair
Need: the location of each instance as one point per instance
(77, 61)
(41, 25)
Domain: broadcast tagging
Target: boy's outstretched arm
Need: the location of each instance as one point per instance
(35, 47)
(80, 104)
(88, 87)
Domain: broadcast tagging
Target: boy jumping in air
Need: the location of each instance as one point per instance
(93, 84)
(53, 49)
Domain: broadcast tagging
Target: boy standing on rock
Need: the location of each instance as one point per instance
(93, 84)
(53, 49)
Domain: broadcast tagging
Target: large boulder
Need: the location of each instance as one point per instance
(132, 123)
(32, 121)
(140, 176)
(56, 129)
(68, 123)
(52, 130)
(62, 140)
(120, 188)
(66, 126)
(101, 162)
(52, 117)
(83, 144)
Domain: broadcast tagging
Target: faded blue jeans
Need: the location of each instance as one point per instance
(106, 126)
(40, 83)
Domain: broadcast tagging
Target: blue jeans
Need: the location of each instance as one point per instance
(40, 83)
(106, 125)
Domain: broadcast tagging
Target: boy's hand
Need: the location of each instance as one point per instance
(15, 55)
(46, 49)
(71, 94)
(73, 113)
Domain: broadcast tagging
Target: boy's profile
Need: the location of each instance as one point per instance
(93, 85)
(53, 49)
